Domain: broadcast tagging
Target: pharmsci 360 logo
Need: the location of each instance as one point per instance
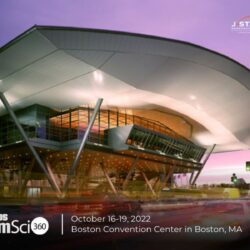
(38, 225)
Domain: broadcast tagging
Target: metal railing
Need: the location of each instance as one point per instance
(164, 144)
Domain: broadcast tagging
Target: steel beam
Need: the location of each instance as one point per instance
(203, 164)
(26, 139)
(132, 169)
(170, 172)
(160, 179)
(148, 183)
(82, 144)
(52, 176)
(191, 177)
(156, 181)
(108, 178)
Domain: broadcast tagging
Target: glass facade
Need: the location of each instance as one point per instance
(45, 123)
(164, 144)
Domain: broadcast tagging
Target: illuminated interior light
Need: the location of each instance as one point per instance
(98, 76)
(19, 141)
(192, 97)
(139, 147)
(193, 160)
(160, 152)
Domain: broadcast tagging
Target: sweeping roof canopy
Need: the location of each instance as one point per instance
(62, 67)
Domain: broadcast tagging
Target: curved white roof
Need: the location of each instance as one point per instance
(64, 67)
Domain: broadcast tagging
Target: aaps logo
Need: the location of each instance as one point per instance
(242, 25)
(38, 225)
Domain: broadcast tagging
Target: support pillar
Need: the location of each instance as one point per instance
(82, 145)
(52, 176)
(170, 173)
(26, 139)
(108, 178)
(148, 183)
(203, 164)
(191, 178)
(156, 181)
(131, 171)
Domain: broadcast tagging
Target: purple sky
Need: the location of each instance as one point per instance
(207, 23)
(219, 167)
(203, 22)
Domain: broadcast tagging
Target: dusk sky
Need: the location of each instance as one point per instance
(202, 22)
(207, 23)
